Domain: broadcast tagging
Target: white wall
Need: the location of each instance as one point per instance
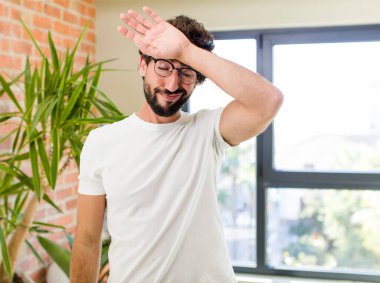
(124, 87)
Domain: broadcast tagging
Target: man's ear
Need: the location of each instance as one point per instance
(142, 66)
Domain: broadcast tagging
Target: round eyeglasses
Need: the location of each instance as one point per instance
(164, 68)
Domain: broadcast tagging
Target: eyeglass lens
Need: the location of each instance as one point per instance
(165, 68)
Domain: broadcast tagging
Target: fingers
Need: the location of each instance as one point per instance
(138, 23)
(133, 23)
(137, 39)
(140, 19)
(127, 33)
(152, 14)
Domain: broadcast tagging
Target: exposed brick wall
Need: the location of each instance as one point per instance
(65, 20)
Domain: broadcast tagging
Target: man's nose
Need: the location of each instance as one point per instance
(172, 81)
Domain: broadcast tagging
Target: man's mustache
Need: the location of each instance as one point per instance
(168, 92)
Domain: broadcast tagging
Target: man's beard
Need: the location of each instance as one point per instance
(172, 107)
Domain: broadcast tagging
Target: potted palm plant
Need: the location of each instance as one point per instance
(60, 105)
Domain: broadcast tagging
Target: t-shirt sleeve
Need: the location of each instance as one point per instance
(219, 143)
(90, 182)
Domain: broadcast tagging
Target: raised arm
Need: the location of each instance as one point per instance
(256, 99)
(85, 259)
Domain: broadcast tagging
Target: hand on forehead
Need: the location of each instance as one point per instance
(152, 35)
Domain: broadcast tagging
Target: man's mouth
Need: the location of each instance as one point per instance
(170, 96)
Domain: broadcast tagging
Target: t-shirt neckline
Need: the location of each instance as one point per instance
(157, 126)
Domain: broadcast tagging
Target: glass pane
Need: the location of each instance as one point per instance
(330, 120)
(237, 179)
(208, 95)
(336, 230)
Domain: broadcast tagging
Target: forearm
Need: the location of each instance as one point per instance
(85, 263)
(247, 87)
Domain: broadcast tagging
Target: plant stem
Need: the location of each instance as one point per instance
(18, 237)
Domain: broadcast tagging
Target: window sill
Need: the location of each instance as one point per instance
(249, 278)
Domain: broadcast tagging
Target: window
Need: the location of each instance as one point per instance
(303, 198)
(236, 186)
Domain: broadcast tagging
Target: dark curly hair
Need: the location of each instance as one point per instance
(195, 32)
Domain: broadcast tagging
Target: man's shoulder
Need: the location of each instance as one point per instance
(109, 131)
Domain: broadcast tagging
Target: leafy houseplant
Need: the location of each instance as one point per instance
(60, 106)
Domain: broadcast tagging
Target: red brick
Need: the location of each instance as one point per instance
(15, 14)
(81, 60)
(91, 11)
(37, 34)
(41, 214)
(61, 28)
(11, 62)
(63, 193)
(11, 29)
(52, 11)
(46, 50)
(88, 48)
(42, 22)
(90, 36)
(22, 47)
(89, 1)
(33, 4)
(63, 3)
(28, 264)
(81, 8)
(3, 10)
(70, 17)
(71, 177)
(75, 33)
(68, 43)
(71, 204)
(4, 45)
(15, 30)
(84, 21)
(64, 220)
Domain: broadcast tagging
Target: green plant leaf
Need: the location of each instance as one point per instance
(53, 52)
(20, 201)
(73, 99)
(36, 254)
(12, 190)
(32, 38)
(38, 223)
(5, 254)
(60, 255)
(50, 201)
(44, 159)
(27, 83)
(113, 107)
(34, 163)
(41, 108)
(10, 93)
(17, 157)
(6, 169)
(15, 141)
(55, 156)
(8, 135)
(95, 82)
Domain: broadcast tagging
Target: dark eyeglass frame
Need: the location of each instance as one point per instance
(180, 70)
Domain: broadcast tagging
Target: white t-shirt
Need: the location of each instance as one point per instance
(162, 212)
